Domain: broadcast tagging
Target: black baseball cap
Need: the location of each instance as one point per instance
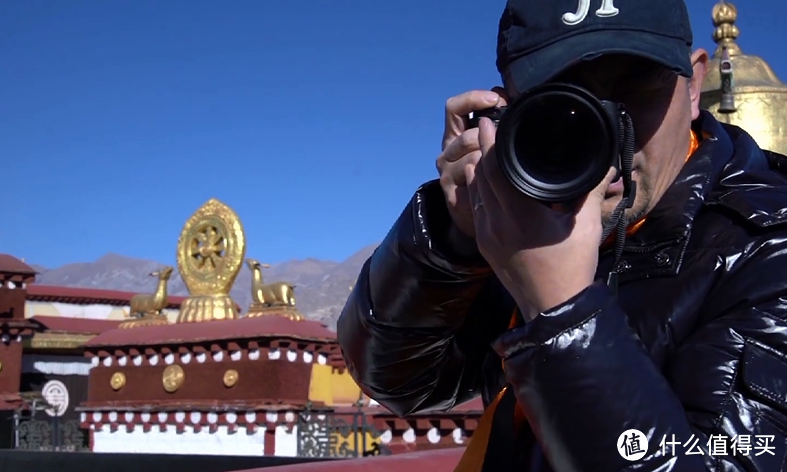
(538, 39)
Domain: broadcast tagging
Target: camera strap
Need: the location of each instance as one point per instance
(617, 221)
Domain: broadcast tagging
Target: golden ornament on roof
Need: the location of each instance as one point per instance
(742, 89)
(210, 255)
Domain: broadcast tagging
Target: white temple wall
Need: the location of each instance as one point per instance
(220, 442)
(93, 311)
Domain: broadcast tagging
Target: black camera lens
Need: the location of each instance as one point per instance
(557, 143)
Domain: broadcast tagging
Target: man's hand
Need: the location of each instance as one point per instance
(542, 256)
(461, 152)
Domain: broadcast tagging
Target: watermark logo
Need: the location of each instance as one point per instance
(632, 445)
(720, 445)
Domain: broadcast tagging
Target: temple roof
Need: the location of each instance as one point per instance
(244, 328)
(15, 271)
(10, 264)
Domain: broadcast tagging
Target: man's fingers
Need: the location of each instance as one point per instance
(486, 135)
(459, 147)
(454, 171)
(503, 96)
(462, 105)
(457, 108)
(601, 189)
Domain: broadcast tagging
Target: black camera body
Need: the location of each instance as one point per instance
(557, 142)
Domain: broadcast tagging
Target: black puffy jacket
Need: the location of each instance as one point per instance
(694, 345)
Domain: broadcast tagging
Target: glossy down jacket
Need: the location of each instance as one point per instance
(694, 345)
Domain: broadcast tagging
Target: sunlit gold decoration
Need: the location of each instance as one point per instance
(148, 309)
(210, 253)
(230, 378)
(173, 378)
(117, 381)
(742, 89)
(277, 298)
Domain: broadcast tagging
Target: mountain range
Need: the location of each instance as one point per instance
(321, 287)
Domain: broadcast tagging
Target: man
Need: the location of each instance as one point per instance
(690, 352)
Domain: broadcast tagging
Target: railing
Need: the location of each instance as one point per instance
(44, 433)
(321, 433)
(326, 433)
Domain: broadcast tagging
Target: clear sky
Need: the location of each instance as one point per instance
(314, 120)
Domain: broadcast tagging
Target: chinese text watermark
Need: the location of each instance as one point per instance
(633, 445)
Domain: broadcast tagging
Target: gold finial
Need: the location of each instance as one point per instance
(724, 16)
(277, 298)
(210, 255)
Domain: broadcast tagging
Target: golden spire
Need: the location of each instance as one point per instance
(742, 89)
(724, 16)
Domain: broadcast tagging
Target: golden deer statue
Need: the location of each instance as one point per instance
(146, 305)
(269, 295)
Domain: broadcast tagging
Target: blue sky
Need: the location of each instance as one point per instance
(314, 120)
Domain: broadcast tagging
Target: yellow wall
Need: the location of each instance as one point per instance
(329, 386)
(345, 444)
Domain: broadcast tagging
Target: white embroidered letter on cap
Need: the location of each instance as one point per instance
(607, 10)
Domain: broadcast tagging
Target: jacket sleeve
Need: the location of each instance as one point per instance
(584, 378)
(420, 320)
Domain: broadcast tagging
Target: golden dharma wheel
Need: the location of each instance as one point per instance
(211, 249)
(117, 381)
(230, 378)
(173, 378)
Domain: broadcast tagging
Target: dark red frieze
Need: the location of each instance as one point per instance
(257, 380)
(271, 358)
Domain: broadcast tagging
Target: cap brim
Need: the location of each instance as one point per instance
(540, 66)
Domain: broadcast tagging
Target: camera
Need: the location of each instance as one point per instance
(556, 142)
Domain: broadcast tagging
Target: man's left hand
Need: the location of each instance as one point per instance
(543, 256)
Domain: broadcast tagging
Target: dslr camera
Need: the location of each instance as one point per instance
(556, 142)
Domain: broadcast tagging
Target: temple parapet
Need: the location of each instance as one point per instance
(188, 382)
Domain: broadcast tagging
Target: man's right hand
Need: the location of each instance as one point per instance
(461, 152)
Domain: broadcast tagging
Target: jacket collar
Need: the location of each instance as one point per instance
(658, 246)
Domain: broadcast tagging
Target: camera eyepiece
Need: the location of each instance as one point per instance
(556, 142)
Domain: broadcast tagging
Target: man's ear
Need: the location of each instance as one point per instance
(699, 61)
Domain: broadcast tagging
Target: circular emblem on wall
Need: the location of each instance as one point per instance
(173, 378)
(117, 381)
(230, 378)
(56, 394)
